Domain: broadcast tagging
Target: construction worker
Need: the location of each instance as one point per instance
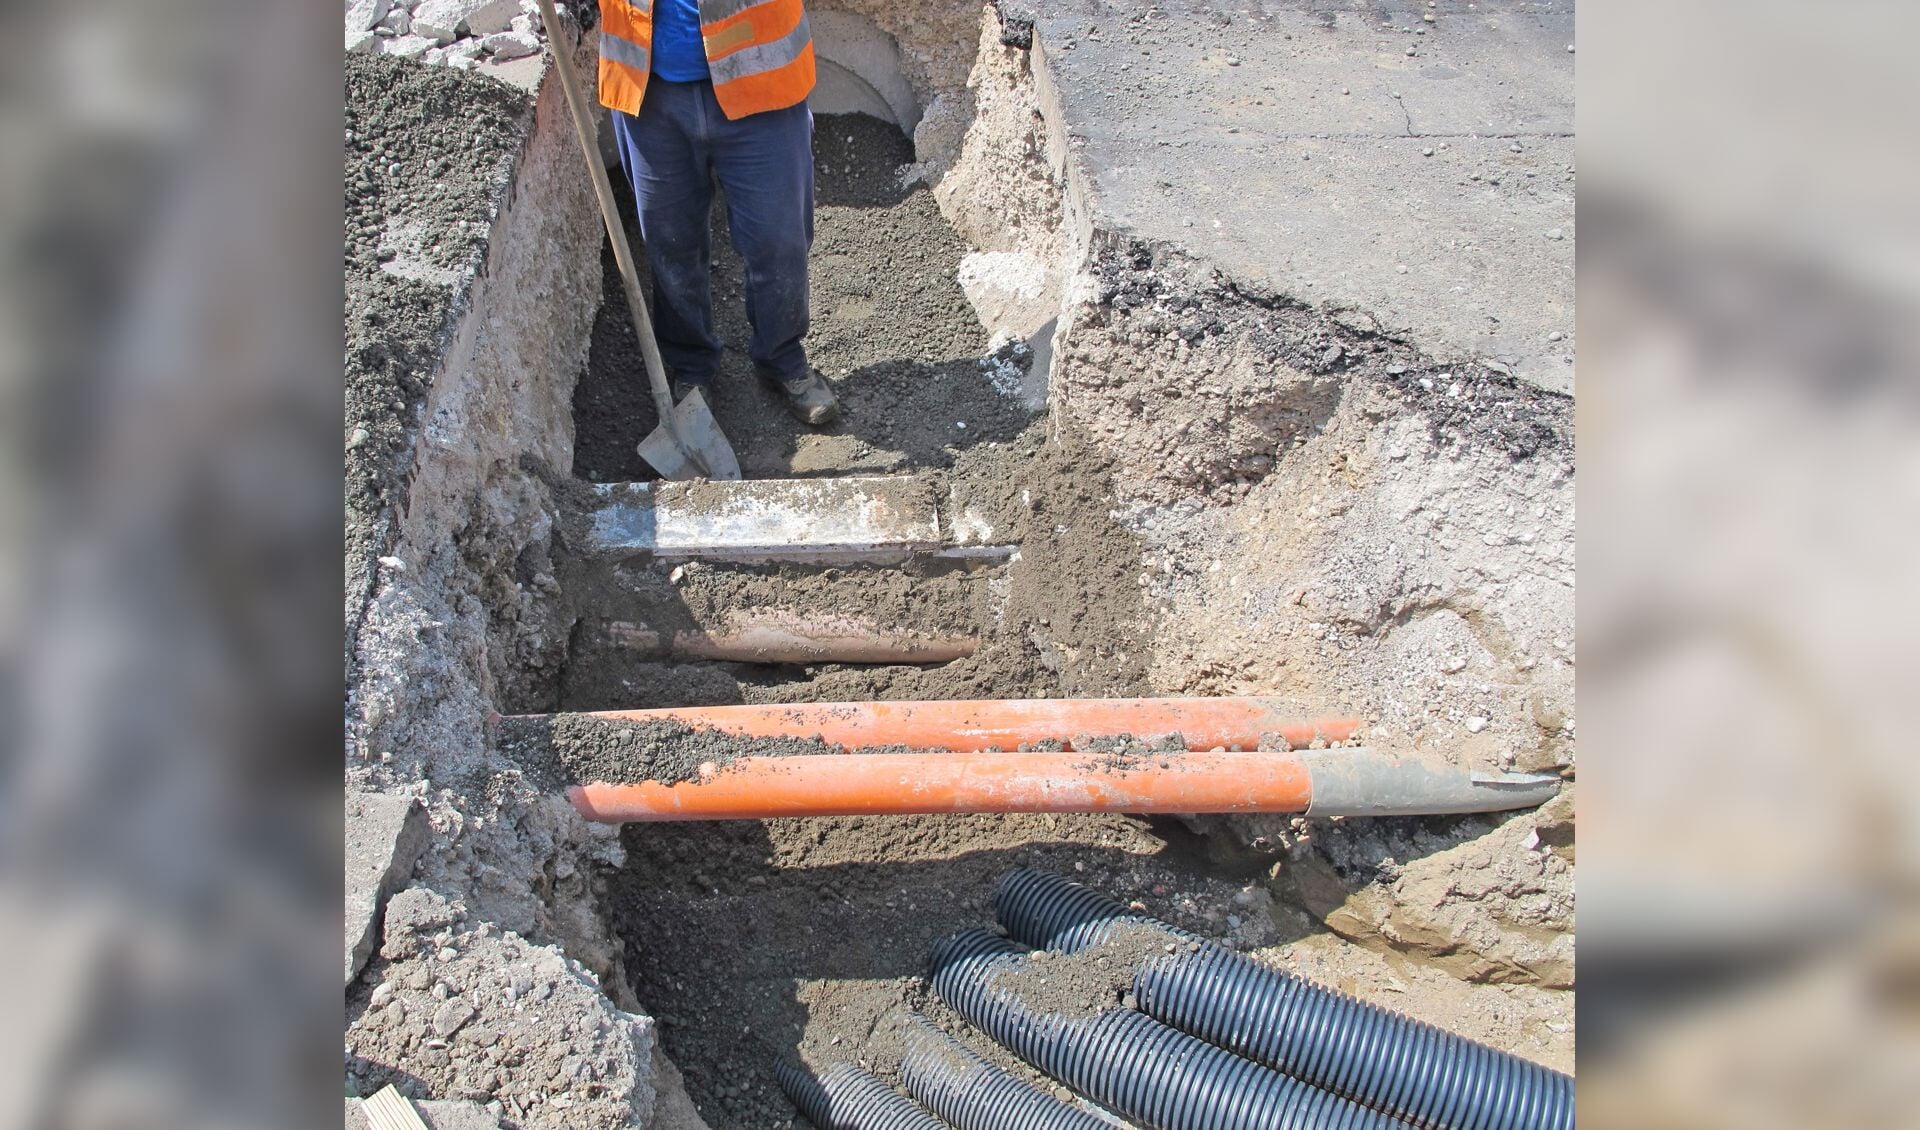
(701, 89)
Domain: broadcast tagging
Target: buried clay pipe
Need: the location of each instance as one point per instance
(1374, 1056)
(981, 724)
(756, 788)
(843, 1097)
(777, 636)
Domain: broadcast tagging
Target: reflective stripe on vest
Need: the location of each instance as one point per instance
(759, 53)
(625, 52)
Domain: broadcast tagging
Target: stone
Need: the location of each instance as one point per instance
(365, 15)
(411, 913)
(398, 21)
(363, 43)
(1553, 825)
(510, 45)
(445, 20)
(493, 18)
(409, 46)
(448, 1018)
(385, 836)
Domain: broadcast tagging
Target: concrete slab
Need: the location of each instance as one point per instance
(1356, 155)
(384, 838)
(872, 519)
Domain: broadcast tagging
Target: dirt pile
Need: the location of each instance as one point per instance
(427, 156)
(566, 749)
(456, 1008)
(1088, 982)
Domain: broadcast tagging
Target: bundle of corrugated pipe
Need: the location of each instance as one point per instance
(1203, 1039)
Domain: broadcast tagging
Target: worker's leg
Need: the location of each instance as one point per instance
(765, 165)
(664, 151)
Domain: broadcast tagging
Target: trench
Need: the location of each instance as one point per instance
(753, 942)
(757, 941)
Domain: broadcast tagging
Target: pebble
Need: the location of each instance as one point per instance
(1556, 335)
(1427, 152)
(1409, 52)
(1476, 724)
(1556, 234)
(451, 1015)
(359, 438)
(382, 993)
(446, 954)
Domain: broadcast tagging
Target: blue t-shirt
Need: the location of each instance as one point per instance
(678, 53)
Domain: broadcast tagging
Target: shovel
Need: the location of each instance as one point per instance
(688, 444)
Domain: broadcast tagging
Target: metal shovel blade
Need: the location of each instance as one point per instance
(710, 455)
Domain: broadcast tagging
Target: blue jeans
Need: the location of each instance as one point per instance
(672, 151)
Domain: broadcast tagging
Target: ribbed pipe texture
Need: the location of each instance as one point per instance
(843, 1097)
(1392, 1063)
(958, 1085)
(1135, 1065)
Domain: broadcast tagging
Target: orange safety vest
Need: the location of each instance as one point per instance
(760, 53)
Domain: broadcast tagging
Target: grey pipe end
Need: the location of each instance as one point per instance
(1360, 782)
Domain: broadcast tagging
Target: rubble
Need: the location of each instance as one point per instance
(385, 836)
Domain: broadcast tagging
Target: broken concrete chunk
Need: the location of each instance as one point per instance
(364, 15)
(493, 18)
(510, 45)
(384, 838)
(409, 46)
(453, 18)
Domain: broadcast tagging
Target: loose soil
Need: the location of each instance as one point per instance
(892, 331)
(567, 749)
(1091, 981)
(428, 154)
(1071, 621)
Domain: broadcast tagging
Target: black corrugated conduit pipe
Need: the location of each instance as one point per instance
(952, 1081)
(1132, 1063)
(1392, 1063)
(843, 1097)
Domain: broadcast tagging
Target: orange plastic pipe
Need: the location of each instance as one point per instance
(905, 783)
(980, 724)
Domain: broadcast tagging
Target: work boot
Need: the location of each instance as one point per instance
(684, 383)
(807, 397)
